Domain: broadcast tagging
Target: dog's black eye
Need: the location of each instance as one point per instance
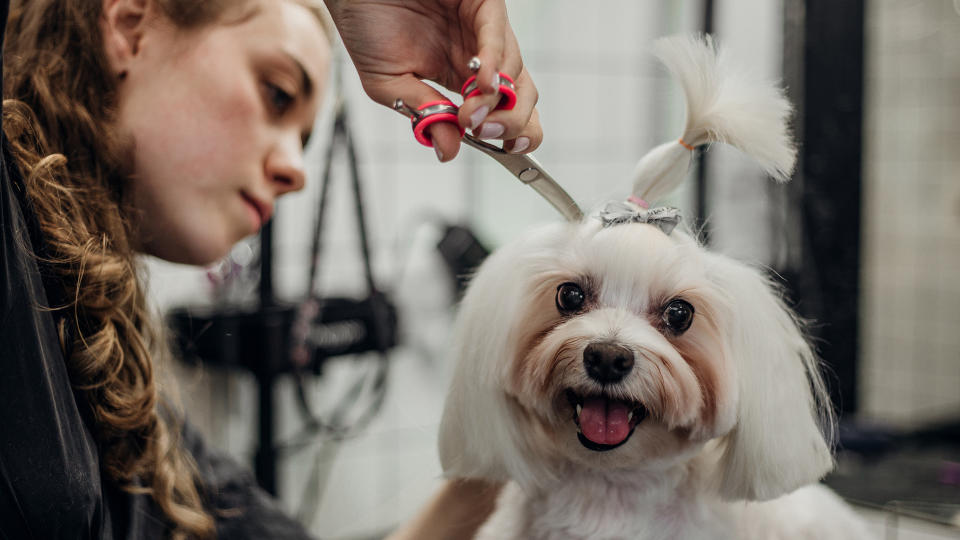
(570, 297)
(678, 315)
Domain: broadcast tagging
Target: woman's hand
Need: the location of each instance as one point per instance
(395, 44)
(457, 510)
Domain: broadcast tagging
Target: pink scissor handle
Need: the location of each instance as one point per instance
(508, 93)
(429, 114)
(444, 110)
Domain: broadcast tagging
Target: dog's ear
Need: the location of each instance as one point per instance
(479, 434)
(475, 427)
(777, 444)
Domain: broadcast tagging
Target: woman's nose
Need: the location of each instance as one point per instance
(284, 167)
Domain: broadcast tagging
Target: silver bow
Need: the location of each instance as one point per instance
(665, 218)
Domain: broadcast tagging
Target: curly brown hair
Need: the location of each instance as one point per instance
(58, 108)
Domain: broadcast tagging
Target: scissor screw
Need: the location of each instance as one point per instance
(402, 107)
(529, 174)
(474, 64)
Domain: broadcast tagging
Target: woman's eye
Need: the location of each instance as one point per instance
(678, 315)
(279, 99)
(570, 298)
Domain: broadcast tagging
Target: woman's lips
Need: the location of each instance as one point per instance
(260, 211)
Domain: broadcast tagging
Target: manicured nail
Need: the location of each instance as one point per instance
(478, 116)
(491, 130)
(438, 151)
(496, 83)
(521, 144)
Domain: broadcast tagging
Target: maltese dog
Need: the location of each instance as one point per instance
(627, 383)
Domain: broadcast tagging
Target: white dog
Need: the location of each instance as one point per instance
(629, 384)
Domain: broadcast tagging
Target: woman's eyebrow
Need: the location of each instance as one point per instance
(305, 79)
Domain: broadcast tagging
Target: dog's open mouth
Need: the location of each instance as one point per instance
(604, 423)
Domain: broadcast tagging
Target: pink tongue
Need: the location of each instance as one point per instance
(604, 421)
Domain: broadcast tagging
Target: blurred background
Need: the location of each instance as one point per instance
(329, 380)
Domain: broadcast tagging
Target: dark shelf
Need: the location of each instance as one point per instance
(914, 474)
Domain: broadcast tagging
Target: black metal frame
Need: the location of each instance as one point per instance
(277, 336)
(263, 340)
(830, 116)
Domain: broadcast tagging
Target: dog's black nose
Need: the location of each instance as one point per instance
(607, 363)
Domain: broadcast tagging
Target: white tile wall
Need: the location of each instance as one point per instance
(911, 251)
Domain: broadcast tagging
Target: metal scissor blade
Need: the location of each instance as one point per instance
(530, 172)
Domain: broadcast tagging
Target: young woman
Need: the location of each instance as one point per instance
(170, 127)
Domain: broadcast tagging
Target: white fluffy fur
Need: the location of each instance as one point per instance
(733, 444)
(724, 104)
(663, 482)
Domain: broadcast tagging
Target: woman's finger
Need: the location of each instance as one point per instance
(476, 110)
(529, 137)
(385, 90)
(509, 124)
(498, 52)
(490, 26)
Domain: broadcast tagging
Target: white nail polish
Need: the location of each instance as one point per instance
(438, 152)
(496, 83)
(521, 144)
(491, 130)
(478, 116)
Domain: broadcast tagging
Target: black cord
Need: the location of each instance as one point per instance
(315, 488)
(337, 425)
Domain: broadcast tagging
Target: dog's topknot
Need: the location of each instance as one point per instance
(724, 104)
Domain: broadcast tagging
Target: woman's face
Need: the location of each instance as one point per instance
(218, 117)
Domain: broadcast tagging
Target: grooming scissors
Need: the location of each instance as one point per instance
(529, 171)
(523, 166)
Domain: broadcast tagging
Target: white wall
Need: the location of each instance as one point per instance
(910, 369)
